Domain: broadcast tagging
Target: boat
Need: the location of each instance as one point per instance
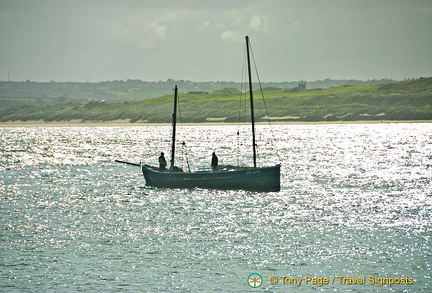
(254, 178)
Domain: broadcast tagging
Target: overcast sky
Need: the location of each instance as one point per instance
(203, 40)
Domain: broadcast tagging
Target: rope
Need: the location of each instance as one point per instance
(184, 148)
(265, 104)
(242, 106)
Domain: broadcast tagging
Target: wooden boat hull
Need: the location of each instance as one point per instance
(254, 179)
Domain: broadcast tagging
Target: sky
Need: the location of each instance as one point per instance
(203, 40)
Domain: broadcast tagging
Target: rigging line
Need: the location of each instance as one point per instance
(184, 149)
(241, 111)
(264, 101)
(171, 128)
(243, 94)
(186, 155)
(179, 111)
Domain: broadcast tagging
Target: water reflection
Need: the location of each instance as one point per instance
(354, 199)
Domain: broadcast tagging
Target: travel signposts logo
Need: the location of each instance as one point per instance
(254, 280)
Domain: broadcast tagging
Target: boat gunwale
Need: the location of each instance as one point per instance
(147, 169)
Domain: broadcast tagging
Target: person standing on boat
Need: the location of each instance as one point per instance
(214, 162)
(162, 162)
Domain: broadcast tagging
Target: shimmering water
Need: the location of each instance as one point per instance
(356, 202)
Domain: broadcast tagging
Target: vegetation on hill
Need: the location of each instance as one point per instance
(409, 100)
(31, 93)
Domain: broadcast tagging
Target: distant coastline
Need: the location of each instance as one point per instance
(125, 123)
(401, 101)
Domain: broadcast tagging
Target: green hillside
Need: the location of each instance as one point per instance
(410, 100)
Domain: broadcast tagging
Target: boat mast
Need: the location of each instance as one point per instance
(174, 120)
(251, 102)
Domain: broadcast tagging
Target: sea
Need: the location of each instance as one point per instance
(354, 213)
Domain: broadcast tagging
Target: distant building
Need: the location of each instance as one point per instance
(302, 84)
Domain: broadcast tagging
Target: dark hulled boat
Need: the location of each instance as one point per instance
(258, 179)
(238, 178)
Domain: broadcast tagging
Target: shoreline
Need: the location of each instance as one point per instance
(126, 123)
